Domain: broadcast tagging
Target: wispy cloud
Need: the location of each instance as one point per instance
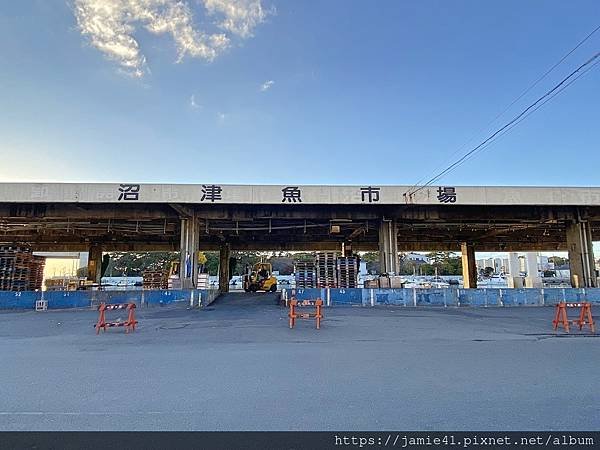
(266, 85)
(240, 17)
(221, 116)
(110, 26)
(193, 103)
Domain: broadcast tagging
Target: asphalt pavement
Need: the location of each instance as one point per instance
(236, 365)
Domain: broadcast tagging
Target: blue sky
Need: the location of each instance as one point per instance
(332, 92)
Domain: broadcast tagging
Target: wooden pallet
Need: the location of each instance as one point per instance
(305, 274)
(326, 269)
(155, 279)
(347, 272)
(20, 270)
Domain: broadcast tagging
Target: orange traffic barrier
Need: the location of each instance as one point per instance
(316, 314)
(129, 324)
(585, 316)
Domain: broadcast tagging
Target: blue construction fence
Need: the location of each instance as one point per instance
(446, 297)
(87, 299)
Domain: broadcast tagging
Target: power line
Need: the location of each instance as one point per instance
(525, 92)
(557, 89)
(562, 85)
(536, 108)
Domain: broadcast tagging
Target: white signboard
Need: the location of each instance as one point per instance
(214, 194)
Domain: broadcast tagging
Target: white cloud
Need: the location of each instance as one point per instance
(221, 116)
(240, 17)
(266, 85)
(193, 103)
(110, 26)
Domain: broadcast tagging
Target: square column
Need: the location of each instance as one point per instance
(581, 255)
(469, 265)
(94, 265)
(388, 247)
(224, 275)
(533, 279)
(514, 279)
(189, 246)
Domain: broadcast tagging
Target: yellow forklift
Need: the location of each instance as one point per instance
(260, 278)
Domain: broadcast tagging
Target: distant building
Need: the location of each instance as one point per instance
(498, 264)
(417, 257)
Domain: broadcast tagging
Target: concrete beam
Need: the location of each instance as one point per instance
(454, 246)
(184, 211)
(148, 246)
(88, 211)
(58, 255)
(113, 247)
(410, 213)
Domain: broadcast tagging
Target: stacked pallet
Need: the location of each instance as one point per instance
(326, 269)
(203, 281)
(347, 272)
(173, 282)
(19, 269)
(155, 279)
(36, 275)
(305, 274)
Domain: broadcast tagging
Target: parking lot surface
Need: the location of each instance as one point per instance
(237, 366)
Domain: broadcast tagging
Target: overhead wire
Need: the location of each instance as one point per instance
(519, 97)
(558, 88)
(535, 109)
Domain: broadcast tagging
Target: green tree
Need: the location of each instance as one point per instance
(372, 260)
(246, 259)
(558, 261)
(302, 256)
(133, 264)
(447, 263)
(212, 263)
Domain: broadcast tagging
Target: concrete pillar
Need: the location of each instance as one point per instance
(581, 255)
(94, 265)
(531, 266)
(224, 254)
(189, 246)
(388, 246)
(513, 278)
(533, 279)
(469, 265)
(183, 253)
(513, 264)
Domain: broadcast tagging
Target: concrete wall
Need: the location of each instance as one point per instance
(331, 297)
(87, 299)
(447, 297)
